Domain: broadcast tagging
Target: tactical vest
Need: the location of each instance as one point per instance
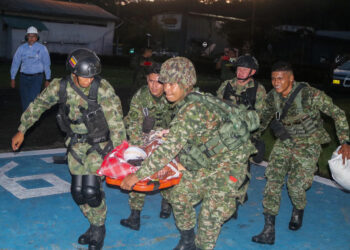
(302, 124)
(234, 130)
(92, 117)
(247, 98)
(162, 120)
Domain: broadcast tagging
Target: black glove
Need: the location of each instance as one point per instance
(148, 124)
(279, 130)
(135, 162)
(260, 146)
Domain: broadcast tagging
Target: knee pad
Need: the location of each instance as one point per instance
(76, 189)
(91, 190)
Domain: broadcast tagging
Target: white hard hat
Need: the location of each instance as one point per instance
(32, 30)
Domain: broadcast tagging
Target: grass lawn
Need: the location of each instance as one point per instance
(121, 79)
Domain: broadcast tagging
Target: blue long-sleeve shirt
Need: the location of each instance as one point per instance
(32, 59)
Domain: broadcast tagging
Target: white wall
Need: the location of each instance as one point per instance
(63, 38)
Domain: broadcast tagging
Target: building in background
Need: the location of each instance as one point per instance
(192, 33)
(63, 26)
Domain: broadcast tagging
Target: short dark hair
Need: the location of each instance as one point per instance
(154, 68)
(282, 66)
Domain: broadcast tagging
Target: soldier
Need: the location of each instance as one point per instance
(90, 114)
(243, 89)
(298, 127)
(141, 63)
(149, 110)
(225, 64)
(214, 170)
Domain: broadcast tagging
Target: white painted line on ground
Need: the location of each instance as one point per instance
(317, 178)
(63, 150)
(34, 152)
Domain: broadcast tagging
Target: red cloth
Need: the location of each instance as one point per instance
(114, 165)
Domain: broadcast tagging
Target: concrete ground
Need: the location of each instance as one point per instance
(37, 212)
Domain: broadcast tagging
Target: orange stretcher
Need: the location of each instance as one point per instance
(148, 185)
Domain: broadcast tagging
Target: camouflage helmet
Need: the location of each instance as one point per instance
(178, 70)
(247, 61)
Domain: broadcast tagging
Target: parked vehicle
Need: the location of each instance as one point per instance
(341, 76)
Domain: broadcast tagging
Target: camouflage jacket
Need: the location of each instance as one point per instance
(159, 108)
(106, 97)
(193, 122)
(312, 102)
(260, 92)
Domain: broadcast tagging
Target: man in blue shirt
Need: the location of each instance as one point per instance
(34, 60)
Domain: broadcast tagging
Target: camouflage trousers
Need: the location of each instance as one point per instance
(298, 161)
(91, 162)
(217, 189)
(137, 199)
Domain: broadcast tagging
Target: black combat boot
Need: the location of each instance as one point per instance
(97, 237)
(133, 221)
(186, 241)
(267, 236)
(165, 211)
(297, 219)
(85, 238)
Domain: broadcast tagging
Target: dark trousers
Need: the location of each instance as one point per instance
(30, 86)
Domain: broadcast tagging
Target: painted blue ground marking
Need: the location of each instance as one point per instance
(37, 212)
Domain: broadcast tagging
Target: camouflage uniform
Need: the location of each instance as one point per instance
(258, 106)
(140, 74)
(217, 184)
(159, 108)
(260, 92)
(112, 110)
(298, 157)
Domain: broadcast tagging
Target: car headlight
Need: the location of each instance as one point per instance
(336, 81)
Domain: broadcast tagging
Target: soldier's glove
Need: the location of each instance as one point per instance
(135, 162)
(279, 130)
(260, 146)
(148, 124)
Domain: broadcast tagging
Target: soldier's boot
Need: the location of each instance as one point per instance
(133, 221)
(84, 239)
(186, 241)
(296, 220)
(165, 211)
(97, 237)
(267, 236)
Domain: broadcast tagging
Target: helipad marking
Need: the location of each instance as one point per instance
(59, 186)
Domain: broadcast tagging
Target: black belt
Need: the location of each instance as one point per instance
(31, 74)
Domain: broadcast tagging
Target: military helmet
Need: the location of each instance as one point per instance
(84, 63)
(247, 61)
(178, 70)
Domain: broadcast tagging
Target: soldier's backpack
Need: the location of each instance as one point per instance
(237, 123)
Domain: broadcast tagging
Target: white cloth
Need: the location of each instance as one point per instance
(340, 172)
